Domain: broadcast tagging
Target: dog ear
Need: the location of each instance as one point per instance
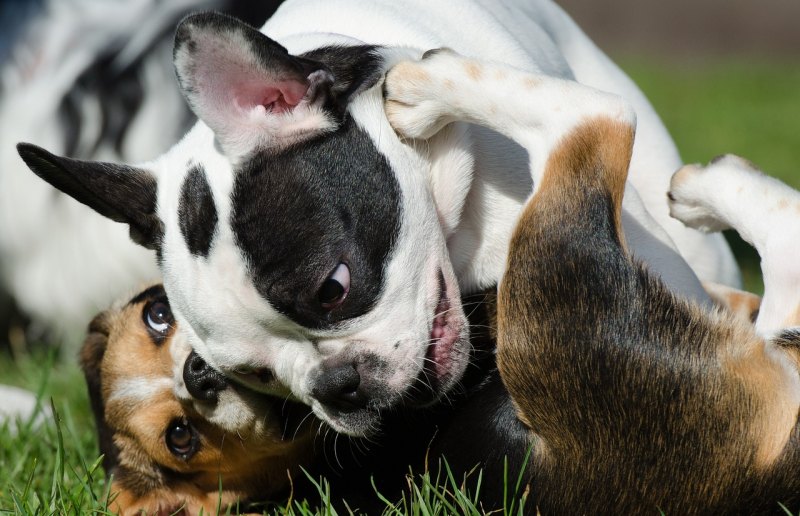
(119, 192)
(91, 359)
(247, 88)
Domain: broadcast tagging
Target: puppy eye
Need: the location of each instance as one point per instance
(181, 439)
(335, 288)
(158, 316)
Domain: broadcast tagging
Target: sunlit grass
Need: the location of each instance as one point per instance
(747, 107)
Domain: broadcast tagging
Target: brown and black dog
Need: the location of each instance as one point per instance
(635, 398)
(632, 397)
(177, 435)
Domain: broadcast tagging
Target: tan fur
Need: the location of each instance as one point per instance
(473, 69)
(741, 303)
(530, 83)
(772, 380)
(413, 73)
(793, 319)
(603, 142)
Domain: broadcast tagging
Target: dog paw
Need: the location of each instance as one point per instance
(418, 95)
(700, 196)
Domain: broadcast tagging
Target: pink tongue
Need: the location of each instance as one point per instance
(438, 330)
(440, 321)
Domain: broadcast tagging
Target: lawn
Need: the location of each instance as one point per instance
(750, 108)
(746, 107)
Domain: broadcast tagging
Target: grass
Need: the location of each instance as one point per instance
(750, 108)
(742, 106)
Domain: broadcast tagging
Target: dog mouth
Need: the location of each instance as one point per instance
(441, 362)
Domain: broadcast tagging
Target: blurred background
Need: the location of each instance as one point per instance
(723, 74)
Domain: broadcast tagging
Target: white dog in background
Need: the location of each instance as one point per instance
(90, 79)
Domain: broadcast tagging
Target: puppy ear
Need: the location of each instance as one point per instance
(247, 88)
(119, 192)
(91, 359)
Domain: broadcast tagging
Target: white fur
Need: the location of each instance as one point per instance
(731, 193)
(139, 389)
(547, 109)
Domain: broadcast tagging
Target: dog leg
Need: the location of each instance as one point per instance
(536, 111)
(738, 302)
(620, 380)
(731, 193)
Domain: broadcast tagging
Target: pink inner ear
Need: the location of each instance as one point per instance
(277, 97)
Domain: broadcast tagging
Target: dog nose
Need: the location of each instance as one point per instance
(339, 387)
(202, 381)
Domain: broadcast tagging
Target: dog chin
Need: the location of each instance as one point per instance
(440, 368)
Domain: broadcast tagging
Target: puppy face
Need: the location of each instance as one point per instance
(171, 428)
(298, 238)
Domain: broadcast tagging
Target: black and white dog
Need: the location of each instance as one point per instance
(309, 251)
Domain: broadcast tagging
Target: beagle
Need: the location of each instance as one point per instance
(172, 429)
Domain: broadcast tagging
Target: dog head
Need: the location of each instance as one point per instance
(172, 429)
(297, 235)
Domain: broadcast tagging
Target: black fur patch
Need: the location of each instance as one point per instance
(197, 213)
(789, 338)
(121, 193)
(354, 68)
(299, 213)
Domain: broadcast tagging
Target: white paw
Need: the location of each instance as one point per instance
(417, 94)
(700, 196)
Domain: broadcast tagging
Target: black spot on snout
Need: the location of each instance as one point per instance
(197, 214)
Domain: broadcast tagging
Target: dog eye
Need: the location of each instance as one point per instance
(335, 288)
(181, 439)
(158, 316)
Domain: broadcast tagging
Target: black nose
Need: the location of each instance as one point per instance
(202, 381)
(339, 386)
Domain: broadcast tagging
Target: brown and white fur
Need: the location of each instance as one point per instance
(176, 435)
(635, 398)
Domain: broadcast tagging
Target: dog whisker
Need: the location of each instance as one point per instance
(336, 450)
